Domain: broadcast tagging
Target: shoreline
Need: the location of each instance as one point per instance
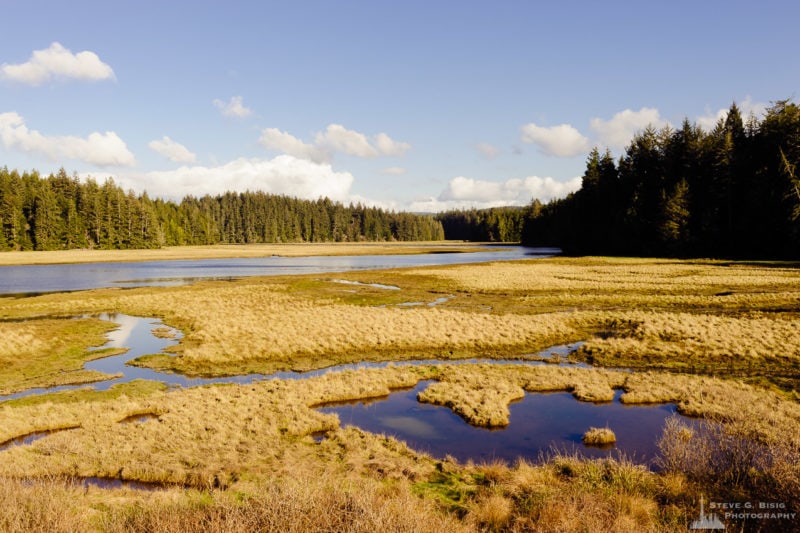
(231, 251)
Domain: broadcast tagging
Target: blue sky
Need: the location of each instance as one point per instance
(420, 105)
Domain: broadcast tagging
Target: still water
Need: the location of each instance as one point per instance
(540, 423)
(36, 279)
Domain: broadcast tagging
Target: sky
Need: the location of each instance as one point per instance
(414, 105)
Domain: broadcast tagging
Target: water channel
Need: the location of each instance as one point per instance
(539, 422)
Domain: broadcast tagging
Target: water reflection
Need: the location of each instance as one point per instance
(24, 440)
(539, 423)
(136, 335)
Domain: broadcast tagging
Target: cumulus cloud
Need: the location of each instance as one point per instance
(394, 171)
(747, 107)
(275, 139)
(389, 147)
(560, 141)
(101, 149)
(462, 192)
(57, 62)
(172, 150)
(487, 150)
(284, 174)
(335, 138)
(620, 129)
(340, 139)
(233, 108)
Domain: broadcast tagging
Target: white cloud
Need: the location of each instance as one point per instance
(172, 150)
(58, 62)
(281, 175)
(389, 147)
(340, 139)
(747, 107)
(101, 149)
(487, 150)
(233, 108)
(620, 129)
(335, 138)
(394, 171)
(274, 139)
(462, 192)
(560, 141)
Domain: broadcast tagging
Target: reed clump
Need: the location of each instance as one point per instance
(599, 437)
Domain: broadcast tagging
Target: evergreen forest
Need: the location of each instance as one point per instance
(496, 224)
(61, 212)
(733, 192)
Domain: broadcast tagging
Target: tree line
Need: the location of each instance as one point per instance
(732, 192)
(62, 212)
(496, 224)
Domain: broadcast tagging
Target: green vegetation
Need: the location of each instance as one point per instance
(58, 212)
(137, 388)
(733, 192)
(50, 352)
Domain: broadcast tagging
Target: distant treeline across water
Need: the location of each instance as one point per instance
(733, 192)
(59, 212)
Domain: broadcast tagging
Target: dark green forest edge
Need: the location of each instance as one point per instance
(60, 212)
(730, 193)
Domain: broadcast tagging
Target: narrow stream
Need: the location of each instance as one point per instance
(539, 422)
(137, 335)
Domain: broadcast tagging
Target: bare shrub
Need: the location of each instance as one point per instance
(729, 457)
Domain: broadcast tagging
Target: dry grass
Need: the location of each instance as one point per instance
(45, 353)
(602, 283)
(264, 326)
(236, 436)
(704, 317)
(564, 494)
(697, 341)
(321, 503)
(599, 437)
(485, 406)
(700, 316)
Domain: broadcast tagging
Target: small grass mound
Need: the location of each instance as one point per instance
(599, 437)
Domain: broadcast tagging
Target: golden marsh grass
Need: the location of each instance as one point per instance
(716, 320)
(599, 437)
(46, 353)
(236, 436)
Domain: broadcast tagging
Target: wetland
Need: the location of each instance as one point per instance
(453, 390)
